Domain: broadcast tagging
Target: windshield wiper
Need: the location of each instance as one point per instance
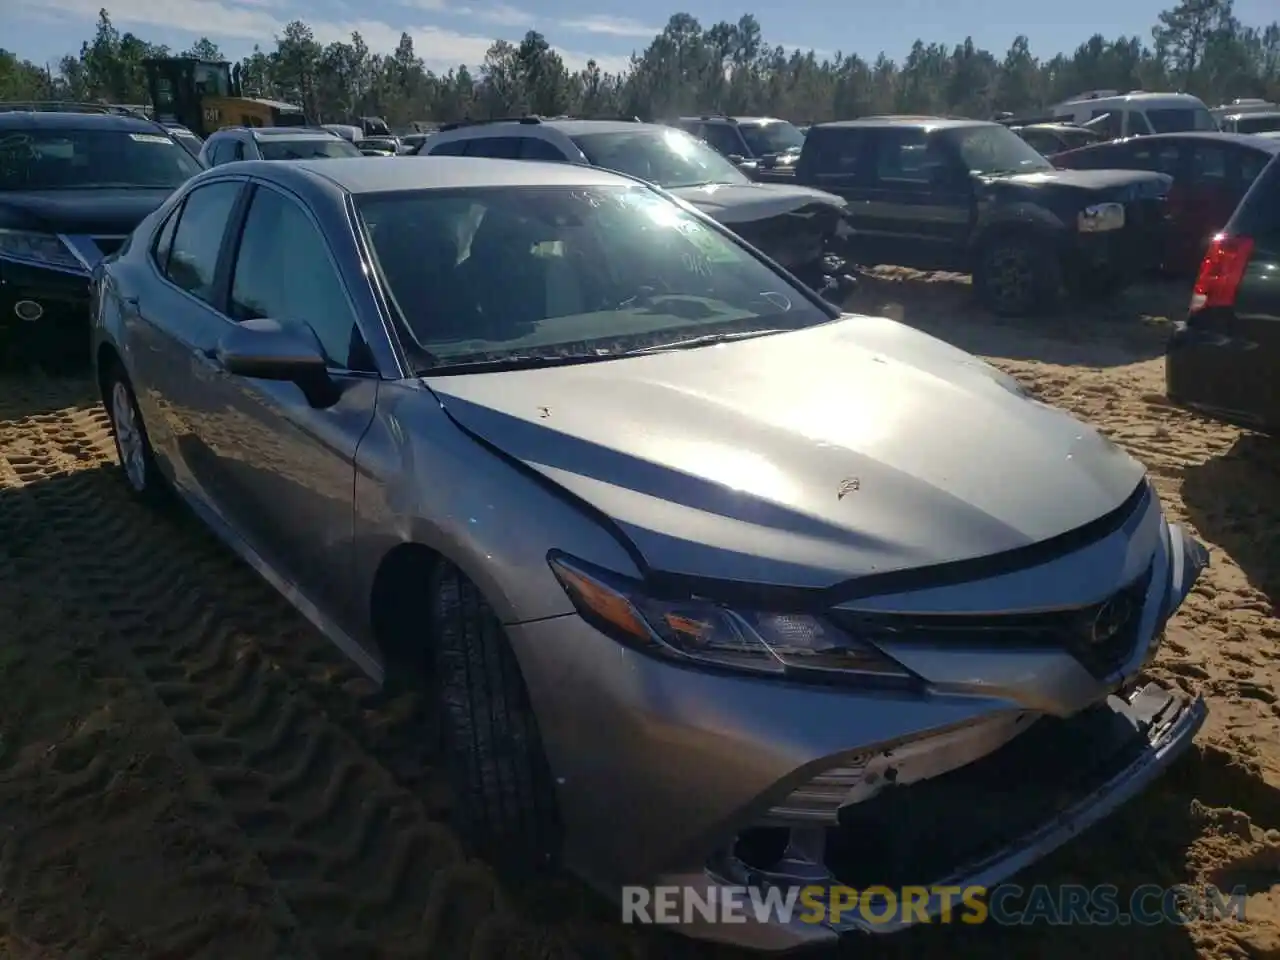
(515, 362)
(705, 341)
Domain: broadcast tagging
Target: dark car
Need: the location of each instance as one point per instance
(73, 186)
(1211, 172)
(973, 197)
(1224, 359)
(764, 148)
(275, 143)
(1051, 138)
(794, 225)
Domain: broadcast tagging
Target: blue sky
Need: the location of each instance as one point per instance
(448, 32)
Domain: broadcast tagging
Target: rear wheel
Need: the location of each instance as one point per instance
(133, 446)
(1018, 275)
(506, 803)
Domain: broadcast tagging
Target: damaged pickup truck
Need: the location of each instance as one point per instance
(799, 227)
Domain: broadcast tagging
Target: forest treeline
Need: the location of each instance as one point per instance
(1198, 46)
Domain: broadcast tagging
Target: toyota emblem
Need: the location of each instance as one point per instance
(1112, 618)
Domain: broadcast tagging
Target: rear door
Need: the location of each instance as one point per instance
(1213, 190)
(181, 321)
(918, 209)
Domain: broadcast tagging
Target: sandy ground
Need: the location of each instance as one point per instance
(188, 770)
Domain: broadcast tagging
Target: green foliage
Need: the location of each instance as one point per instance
(1198, 46)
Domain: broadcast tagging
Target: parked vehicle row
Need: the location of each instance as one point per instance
(464, 410)
(796, 225)
(1211, 173)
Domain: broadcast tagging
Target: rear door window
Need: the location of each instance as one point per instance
(197, 241)
(1258, 215)
(498, 148)
(452, 148)
(835, 154)
(1209, 165)
(531, 148)
(1157, 157)
(901, 157)
(723, 138)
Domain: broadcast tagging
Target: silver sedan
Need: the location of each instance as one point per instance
(715, 584)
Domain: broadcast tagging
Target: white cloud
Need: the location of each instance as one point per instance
(612, 26)
(499, 14)
(249, 21)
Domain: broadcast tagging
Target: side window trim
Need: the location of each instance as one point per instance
(233, 239)
(174, 215)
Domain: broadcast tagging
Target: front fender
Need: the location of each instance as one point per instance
(1022, 215)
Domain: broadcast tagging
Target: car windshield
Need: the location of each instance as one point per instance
(87, 159)
(540, 274)
(668, 157)
(775, 136)
(995, 149)
(1258, 123)
(1180, 119)
(306, 148)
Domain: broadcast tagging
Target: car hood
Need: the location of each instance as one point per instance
(73, 212)
(1108, 184)
(732, 203)
(805, 459)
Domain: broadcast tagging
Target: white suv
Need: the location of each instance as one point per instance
(798, 227)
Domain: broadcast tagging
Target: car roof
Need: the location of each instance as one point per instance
(1243, 139)
(1139, 96)
(54, 120)
(293, 133)
(914, 121)
(366, 175)
(1250, 114)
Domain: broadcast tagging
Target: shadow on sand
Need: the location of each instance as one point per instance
(1234, 500)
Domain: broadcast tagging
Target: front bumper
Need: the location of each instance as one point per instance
(63, 299)
(664, 773)
(1125, 254)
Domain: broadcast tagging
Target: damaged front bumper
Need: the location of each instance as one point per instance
(1104, 757)
(703, 779)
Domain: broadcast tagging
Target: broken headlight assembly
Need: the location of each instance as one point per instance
(702, 632)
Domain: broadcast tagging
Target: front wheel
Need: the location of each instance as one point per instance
(507, 808)
(1018, 275)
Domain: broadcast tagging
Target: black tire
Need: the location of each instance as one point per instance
(143, 479)
(506, 798)
(1018, 274)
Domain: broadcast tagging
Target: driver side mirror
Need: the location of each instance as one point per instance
(268, 350)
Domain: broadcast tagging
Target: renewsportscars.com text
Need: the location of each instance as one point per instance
(1006, 905)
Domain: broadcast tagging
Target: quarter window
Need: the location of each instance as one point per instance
(284, 271)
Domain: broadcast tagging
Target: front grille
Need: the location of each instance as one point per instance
(1100, 636)
(108, 244)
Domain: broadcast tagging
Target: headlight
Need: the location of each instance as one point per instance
(1100, 218)
(703, 632)
(42, 249)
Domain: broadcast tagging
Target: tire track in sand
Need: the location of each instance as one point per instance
(354, 855)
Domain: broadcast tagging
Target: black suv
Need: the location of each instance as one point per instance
(764, 148)
(973, 197)
(1224, 359)
(75, 179)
